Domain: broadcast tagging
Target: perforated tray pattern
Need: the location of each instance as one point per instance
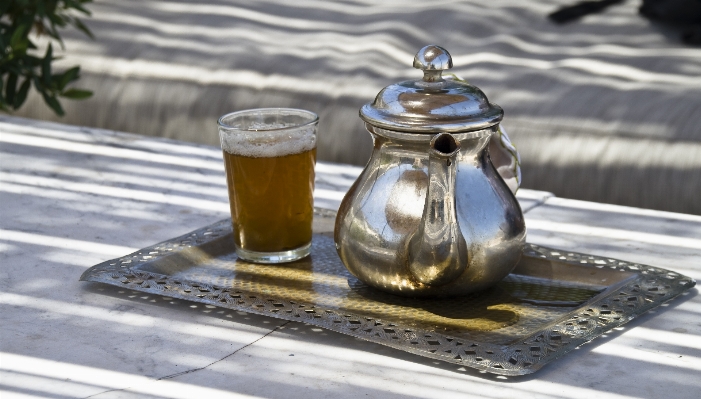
(552, 318)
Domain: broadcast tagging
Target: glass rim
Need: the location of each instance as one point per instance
(314, 120)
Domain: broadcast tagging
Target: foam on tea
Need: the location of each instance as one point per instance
(264, 140)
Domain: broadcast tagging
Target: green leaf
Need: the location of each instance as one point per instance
(4, 6)
(37, 84)
(46, 66)
(19, 35)
(81, 26)
(59, 20)
(11, 88)
(54, 104)
(78, 6)
(32, 61)
(22, 94)
(41, 11)
(68, 76)
(21, 48)
(20, 70)
(76, 94)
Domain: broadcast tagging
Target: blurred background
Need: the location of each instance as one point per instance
(605, 108)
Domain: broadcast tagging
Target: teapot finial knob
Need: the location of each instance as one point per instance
(433, 60)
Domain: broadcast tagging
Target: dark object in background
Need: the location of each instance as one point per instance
(684, 14)
(692, 35)
(680, 14)
(574, 12)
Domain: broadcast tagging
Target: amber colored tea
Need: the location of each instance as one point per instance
(270, 154)
(271, 200)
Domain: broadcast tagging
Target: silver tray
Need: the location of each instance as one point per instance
(553, 302)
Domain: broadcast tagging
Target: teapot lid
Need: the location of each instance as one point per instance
(432, 104)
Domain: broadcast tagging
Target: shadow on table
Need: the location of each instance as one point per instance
(558, 370)
(128, 199)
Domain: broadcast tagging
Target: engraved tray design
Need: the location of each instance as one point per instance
(553, 302)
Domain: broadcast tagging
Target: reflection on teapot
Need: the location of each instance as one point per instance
(429, 215)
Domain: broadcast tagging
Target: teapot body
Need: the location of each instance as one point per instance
(387, 207)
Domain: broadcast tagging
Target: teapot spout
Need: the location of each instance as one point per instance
(437, 253)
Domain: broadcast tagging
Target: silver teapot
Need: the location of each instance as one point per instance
(429, 215)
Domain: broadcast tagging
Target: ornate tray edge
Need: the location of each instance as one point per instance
(650, 288)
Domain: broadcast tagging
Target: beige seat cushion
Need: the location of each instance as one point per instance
(605, 109)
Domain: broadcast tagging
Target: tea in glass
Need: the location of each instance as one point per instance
(269, 155)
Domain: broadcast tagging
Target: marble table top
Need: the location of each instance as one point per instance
(73, 197)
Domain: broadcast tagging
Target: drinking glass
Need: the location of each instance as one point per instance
(269, 155)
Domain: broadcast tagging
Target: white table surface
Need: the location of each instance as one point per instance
(74, 197)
